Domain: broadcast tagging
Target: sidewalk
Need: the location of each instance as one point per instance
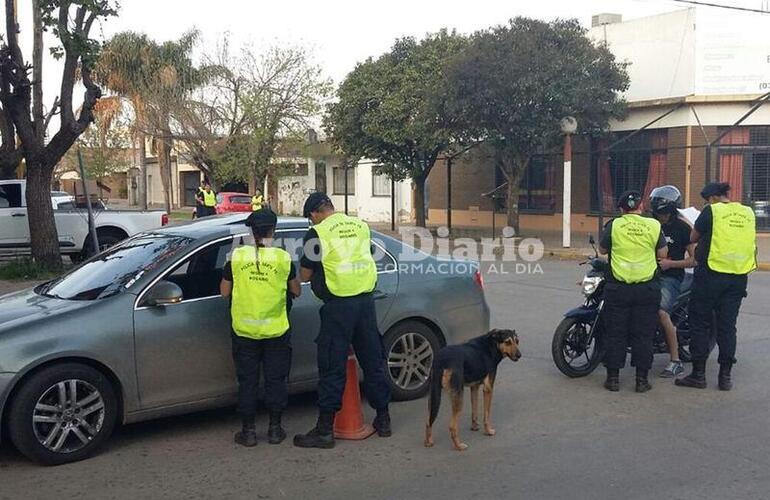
(552, 241)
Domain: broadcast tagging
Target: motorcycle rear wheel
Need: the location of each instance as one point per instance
(570, 353)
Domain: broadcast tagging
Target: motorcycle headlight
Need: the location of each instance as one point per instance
(590, 284)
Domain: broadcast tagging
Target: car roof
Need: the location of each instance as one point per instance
(222, 225)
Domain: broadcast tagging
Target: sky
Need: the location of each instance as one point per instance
(340, 33)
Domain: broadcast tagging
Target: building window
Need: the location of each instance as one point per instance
(381, 184)
(744, 162)
(637, 164)
(536, 188)
(338, 174)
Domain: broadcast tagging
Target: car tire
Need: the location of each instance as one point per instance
(409, 350)
(78, 430)
(107, 238)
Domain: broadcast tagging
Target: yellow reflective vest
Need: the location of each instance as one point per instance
(633, 257)
(256, 203)
(733, 247)
(209, 198)
(258, 306)
(346, 255)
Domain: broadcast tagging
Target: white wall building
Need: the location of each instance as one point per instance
(369, 195)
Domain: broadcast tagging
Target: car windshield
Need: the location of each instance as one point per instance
(116, 269)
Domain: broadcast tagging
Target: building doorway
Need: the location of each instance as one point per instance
(190, 183)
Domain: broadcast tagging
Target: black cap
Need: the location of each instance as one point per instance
(715, 189)
(264, 217)
(314, 202)
(630, 200)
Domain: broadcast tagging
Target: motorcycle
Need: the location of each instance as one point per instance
(578, 342)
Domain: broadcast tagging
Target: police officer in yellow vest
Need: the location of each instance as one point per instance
(262, 282)
(208, 199)
(339, 264)
(256, 201)
(726, 253)
(632, 292)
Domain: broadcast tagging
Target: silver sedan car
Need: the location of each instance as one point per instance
(140, 331)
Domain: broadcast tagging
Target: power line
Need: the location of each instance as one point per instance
(723, 6)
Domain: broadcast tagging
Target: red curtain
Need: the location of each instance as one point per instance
(731, 171)
(656, 171)
(731, 164)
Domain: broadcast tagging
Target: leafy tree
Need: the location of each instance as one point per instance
(513, 84)
(105, 146)
(157, 79)
(251, 103)
(393, 109)
(23, 111)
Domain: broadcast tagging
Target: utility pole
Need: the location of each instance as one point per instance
(91, 225)
(568, 127)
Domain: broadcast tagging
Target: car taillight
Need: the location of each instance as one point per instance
(478, 278)
(164, 219)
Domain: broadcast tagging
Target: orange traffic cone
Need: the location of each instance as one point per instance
(349, 421)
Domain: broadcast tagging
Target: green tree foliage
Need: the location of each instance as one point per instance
(252, 103)
(393, 109)
(513, 84)
(24, 119)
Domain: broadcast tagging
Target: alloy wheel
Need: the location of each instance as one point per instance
(410, 360)
(68, 416)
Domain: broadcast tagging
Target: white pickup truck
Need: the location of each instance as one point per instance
(71, 224)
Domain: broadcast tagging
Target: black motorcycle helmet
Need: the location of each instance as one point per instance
(665, 200)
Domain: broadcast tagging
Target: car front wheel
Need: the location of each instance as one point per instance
(409, 348)
(62, 414)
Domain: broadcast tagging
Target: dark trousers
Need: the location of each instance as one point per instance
(630, 316)
(273, 356)
(200, 211)
(347, 321)
(715, 295)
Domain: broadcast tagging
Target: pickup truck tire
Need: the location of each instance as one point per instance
(107, 238)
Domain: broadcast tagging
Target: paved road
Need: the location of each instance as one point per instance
(555, 438)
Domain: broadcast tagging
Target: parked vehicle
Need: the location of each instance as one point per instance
(140, 331)
(578, 342)
(112, 226)
(233, 202)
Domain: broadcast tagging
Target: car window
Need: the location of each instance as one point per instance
(291, 241)
(117, 268)
(240, 200)
(10, 196)
(65, 205)
(199, 275)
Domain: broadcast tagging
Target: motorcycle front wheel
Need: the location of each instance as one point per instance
(575, 352)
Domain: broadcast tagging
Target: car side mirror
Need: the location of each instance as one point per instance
(163, 293)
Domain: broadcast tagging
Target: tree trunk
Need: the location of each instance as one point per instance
(42, 228)
(164, 164)
(141, 160)
(419, 201)
(512, 214)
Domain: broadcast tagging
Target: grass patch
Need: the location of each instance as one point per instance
(26, 269)
(180, 215)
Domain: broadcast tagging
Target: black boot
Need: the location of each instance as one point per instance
(247, 436)
(696, 379)
(612, 383)
(642, 383)
(275, 433)
(382, 423)
(320, 436)
(725, 379)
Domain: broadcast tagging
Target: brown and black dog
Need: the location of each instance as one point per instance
(473, 364)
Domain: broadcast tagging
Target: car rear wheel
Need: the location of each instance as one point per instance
(62, 414)
(410, 347)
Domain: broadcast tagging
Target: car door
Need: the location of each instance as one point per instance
(183, 351)
(14, 224)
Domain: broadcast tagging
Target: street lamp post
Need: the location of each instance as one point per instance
(568, 126)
